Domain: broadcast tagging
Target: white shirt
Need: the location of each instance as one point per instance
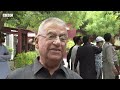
(73, 55)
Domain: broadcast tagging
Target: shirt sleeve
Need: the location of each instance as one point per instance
(97, 50)
(77, 58)
(69, 55)
(109, 55)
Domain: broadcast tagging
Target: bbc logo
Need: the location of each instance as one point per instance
(7, 15)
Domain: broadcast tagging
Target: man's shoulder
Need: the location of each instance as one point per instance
(16, 73)
(80, 47)
(72, 74)
(20, 73)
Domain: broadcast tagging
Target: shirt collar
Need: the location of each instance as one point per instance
(86, 43)
(38, 66)
(77, 45)
(109, 43)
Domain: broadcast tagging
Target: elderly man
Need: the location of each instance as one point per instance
(50, 43)
(4, 58)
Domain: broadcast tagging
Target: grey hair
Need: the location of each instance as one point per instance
(53, 20)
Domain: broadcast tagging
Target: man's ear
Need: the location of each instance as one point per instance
(36, 43)
(36, 46)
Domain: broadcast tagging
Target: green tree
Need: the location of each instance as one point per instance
(101, 22)
(32, 19)
(3, 19)
(93, 22)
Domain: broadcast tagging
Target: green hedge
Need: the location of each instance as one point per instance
(24, 59)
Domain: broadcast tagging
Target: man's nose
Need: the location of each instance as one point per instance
(57, 41)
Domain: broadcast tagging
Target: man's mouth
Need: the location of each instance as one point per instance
(55, 49)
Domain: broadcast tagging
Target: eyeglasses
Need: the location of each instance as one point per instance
(53, 37)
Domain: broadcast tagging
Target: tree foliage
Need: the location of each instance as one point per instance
(102, 22)
(93, 22)
(2, 19)
(32, 19)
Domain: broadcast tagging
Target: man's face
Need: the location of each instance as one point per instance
(100, 43)
(80, 41)
(50, 46)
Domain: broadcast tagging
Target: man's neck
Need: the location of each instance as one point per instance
(51, 68)
(78, 44)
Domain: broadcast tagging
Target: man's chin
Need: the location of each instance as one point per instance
(55, 57)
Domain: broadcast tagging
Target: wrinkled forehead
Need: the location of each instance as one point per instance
(55, 27)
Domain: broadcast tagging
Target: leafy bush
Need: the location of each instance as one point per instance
(9, 49)
(24, 59)
(70, 43)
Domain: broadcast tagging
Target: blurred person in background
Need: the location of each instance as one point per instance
(98, 57)
(4, 58)
(109, 58)
(86, 57)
